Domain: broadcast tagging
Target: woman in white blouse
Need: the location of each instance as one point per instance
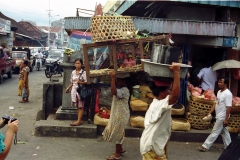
(78, 76)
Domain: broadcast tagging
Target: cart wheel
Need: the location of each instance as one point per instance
(9, 74)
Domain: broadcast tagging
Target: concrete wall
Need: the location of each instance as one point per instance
(192, 13)
(52, 97)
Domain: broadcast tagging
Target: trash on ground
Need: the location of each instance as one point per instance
(11, 107)
(37, 147)
(20, 142)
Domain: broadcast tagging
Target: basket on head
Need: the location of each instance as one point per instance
(109, 28)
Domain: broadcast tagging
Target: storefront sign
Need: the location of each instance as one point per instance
(230, 41)
(5, 26)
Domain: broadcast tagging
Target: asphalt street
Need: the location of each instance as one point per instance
(30, 147)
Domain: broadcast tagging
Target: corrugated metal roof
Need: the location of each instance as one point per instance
(157, 25)
(125, 6)
(79, 23)
(226, 3)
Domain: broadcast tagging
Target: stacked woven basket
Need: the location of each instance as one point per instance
(199, 108)
(109, 28)
(234, 120)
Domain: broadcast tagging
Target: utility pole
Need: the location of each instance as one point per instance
(49, 16)
(62, 32)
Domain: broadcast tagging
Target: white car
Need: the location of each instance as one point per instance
(55, 54)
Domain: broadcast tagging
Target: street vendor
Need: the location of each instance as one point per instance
(208, 77)
(158, 118)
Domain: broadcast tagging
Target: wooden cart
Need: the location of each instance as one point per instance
(163, 39)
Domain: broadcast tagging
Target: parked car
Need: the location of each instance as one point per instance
(6, 66)
(55, 55)
(21, 53)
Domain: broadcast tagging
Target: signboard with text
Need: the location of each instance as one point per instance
(5, 26)
(230, 41)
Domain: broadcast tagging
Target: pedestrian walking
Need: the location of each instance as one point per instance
(120, 114)
(158, 120)
(222, 109)
(78, 76)
(23, 83)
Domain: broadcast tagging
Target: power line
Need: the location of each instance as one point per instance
(22, 11)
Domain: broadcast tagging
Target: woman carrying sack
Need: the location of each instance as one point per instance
(120, 114)
(78, 76)
(23, 86)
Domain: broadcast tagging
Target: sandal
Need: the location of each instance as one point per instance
(202, 149)
(113, 157)
(123, 151)
(21, 101)
(75, 124)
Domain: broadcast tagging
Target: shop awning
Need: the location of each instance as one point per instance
(22, 35)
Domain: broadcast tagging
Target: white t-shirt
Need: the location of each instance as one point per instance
(39, 55)
(158, 122)
(209, 77)
(224, 100)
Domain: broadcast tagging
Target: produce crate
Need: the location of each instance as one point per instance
(234, 123)
(204, 101)
(200, 109)
(197, 122)
(109, 28)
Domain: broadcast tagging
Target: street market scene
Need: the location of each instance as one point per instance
(159, 80)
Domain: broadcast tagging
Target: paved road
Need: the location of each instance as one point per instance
(53, 148)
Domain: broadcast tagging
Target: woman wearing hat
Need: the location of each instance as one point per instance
(158, 118)
(119, 117)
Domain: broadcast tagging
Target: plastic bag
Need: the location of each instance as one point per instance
(24, 93)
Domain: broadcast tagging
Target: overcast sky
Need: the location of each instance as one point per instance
(36, 10)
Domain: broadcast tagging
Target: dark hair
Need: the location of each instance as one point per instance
(225, 80)
(25, 62)
(80, 60)
(158, 89)
(3, 46)
(208, 63)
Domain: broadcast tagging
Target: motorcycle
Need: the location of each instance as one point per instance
(52, 69)
(38, 64)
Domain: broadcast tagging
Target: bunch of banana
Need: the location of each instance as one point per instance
(69, 51)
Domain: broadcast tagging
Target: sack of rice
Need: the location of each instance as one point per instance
(100, 121)
(150, 95)
(146, 100)
(138, 105)
(137, 121)
(180, 125)
(144, 88)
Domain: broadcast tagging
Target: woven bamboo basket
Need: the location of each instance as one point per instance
(138, 105)
(234, 123)
(180, 124)
(108, 28)
(204, 101)
(178, 111)
(198, 108)
(137, 121)
(100, 121)
(197, 122)
(235, 110)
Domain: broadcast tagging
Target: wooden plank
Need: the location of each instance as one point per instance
(87, 69)
(140, 44)
(114, 57)
(110, 55)
(151, 38)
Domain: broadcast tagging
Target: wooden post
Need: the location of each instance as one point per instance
(140, 44)
(114, 57)
(85, 51)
